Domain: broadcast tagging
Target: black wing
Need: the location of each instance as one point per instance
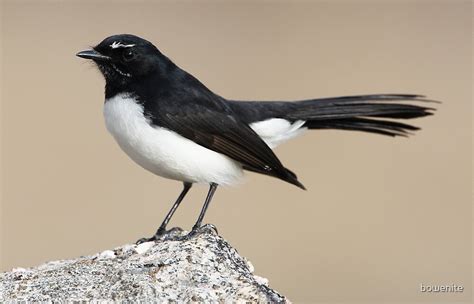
(211, 124)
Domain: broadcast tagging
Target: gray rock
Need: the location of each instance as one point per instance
(204, 268)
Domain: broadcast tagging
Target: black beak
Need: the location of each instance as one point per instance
(94, 55)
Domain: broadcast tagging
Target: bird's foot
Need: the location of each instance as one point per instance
(208, 228)
(161, 234)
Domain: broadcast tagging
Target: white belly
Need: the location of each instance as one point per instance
(162, 151)
(168, 154)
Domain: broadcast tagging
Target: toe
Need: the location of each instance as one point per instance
(144, 240)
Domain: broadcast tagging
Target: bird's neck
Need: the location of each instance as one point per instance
(158, 84)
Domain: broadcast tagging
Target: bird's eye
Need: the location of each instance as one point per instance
(128, 55)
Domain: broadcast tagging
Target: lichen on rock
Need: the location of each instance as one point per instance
(204, 268)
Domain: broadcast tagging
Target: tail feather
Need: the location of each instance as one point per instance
(383, 127)
(359, 113)
(371, 98)
(368, 113)
(402, 111)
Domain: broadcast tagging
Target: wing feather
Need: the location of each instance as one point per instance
(217, 129)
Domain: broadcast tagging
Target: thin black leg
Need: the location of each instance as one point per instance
(162, 229)
(210, 194)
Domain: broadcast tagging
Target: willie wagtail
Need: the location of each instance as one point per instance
(171, 124)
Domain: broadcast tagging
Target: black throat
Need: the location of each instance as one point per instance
(166, 91)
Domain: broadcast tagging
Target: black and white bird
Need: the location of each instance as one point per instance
(171, 124)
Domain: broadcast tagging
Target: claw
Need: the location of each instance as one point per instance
(145, 240)
(208, 228)
(161, 234)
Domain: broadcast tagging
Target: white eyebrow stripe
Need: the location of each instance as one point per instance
(118, 44)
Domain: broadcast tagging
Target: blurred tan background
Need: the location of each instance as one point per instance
(381, 215)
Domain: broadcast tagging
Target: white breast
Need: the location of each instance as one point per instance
(162, 151)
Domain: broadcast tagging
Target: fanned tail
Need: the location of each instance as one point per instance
(368, 113)
(376, 113)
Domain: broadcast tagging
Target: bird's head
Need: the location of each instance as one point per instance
(125, 58)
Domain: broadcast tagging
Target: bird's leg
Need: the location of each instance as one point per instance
(210, 194)
(162, 230)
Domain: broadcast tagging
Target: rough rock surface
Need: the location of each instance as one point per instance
(204, 268)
